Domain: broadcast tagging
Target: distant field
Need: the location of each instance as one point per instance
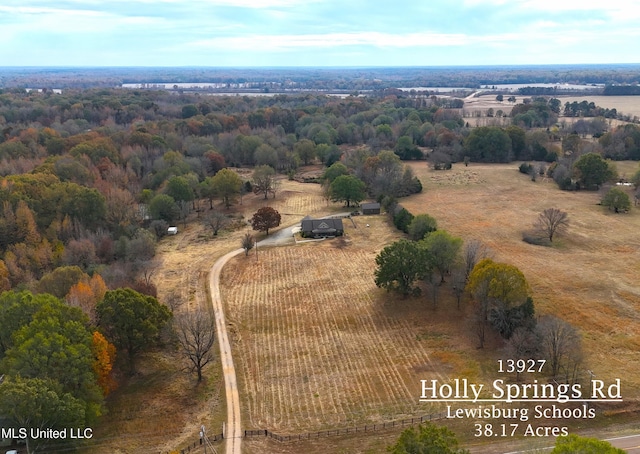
(590, 279)
(628, 105)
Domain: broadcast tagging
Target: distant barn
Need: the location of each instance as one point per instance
(319, 228)
(370, 208)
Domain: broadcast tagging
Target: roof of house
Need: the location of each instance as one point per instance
(370, 206)
(322, 225)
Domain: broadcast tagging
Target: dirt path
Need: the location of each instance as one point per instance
(233, 430)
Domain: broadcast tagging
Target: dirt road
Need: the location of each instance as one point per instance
(233, 430)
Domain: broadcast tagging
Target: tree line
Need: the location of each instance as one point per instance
(431, 259)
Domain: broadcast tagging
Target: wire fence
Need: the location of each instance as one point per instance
(368, 428)
(197, 445)
(343, 431)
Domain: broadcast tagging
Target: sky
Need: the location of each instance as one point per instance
(242, 33)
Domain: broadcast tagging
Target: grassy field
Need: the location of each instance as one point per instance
(589, 278)
(475, 109)
(321, 347)
(318, 346)
(162, 407)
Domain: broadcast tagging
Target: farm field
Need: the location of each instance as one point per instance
(163, 403)
(319, 346)
(319, 349)
(628, 105)
(589, 278)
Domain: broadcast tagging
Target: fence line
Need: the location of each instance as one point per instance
(320, 434)
(197, 444)
(343, 431)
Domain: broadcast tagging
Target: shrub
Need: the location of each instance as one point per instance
(618, 200)
(402, 219)
(525, 168)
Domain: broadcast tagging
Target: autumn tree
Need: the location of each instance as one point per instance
(501, 295)
(226, 184)
(59, 281)
(399, 266)
(264, 219)
(86, 294)
(552, 221)
(264, 180)
(132, 321)
(104, 354)
(195, 332)
(26, 228)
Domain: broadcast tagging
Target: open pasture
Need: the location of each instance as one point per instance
(319, 346)
(589, 278)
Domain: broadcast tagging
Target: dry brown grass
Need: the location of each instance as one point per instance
(162, 408)
(317, 345)
(321, 347)
(589, 278)
(628, 105)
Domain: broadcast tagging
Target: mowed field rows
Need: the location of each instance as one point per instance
(318, 344)
(590, 278)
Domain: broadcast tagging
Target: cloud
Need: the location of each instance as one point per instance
(332, 40)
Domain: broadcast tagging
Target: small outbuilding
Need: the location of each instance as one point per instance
(319, 228)
(172, 231)
(370, 208)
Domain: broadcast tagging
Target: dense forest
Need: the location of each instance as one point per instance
(83, 172)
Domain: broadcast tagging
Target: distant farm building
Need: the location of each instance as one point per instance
(370, 208)
(319, 228)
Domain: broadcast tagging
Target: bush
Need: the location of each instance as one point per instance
(159, 228)
(402, 219)
(535, 238)
(525, 168)
(618, 200)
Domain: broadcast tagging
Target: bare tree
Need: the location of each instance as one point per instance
(195, 332)
(560, 345)
(551, 222)
(523, 344)
(458, 282)
(472, 252)
(247, 243)
(217, 220)
(264, 178)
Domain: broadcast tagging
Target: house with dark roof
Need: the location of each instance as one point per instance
(319, 228)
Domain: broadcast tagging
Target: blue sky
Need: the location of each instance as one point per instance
(317, 32)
